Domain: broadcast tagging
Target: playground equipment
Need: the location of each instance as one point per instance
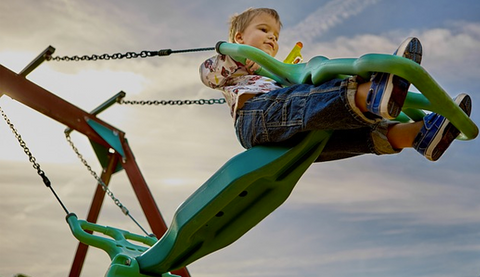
(240, 194)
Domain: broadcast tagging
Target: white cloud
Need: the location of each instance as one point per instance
(324, 18)
(421, 201)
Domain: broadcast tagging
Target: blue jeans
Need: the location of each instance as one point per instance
(281, 114)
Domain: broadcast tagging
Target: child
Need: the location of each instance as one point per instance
(358, 112)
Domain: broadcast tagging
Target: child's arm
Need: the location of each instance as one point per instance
(251, 66)
(216, 71)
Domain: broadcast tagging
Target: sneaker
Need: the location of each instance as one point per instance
(438, 133)
(388, 92)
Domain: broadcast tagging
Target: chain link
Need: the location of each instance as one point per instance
(127, 55)
(105, 188)
(93, 173)
(32, 159)
(116, 56)
(22, 143)
(173, 102)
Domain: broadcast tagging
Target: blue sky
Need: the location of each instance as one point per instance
(398, 215)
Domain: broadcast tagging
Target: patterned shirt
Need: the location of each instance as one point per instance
(232, 78)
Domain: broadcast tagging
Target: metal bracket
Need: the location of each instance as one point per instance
(45, 55)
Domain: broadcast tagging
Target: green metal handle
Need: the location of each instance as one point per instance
(116, 243)
(320, 69)
(113, 238)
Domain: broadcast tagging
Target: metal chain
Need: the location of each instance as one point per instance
(104, 186)
(127, 55)
(32, 159)
(22, 143)
(173, 102)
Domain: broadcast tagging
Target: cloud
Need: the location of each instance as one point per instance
(331, 14)
(453, 52)
(389, 187)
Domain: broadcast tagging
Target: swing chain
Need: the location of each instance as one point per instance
(116, 56)
(173, 102)
(127, 55)
(33, 160)
(22, 143)
(95, 175)
(105, 188)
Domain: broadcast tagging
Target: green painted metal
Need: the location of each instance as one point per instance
(113, 238)
(110, 136)
(102, 153)
(116, 243)
(320, 69)
(100, 150)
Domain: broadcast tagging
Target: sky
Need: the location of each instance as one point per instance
(396, 215)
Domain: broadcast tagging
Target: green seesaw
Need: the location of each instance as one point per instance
(254, 183)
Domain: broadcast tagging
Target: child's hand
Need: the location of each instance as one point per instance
(251, 66)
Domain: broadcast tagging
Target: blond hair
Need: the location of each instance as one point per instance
(239, 22)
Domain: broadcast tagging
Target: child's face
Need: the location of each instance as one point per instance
(262, 33)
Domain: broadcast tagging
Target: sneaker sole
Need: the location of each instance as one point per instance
(412, 50)
(448, 130)
(392, 106)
